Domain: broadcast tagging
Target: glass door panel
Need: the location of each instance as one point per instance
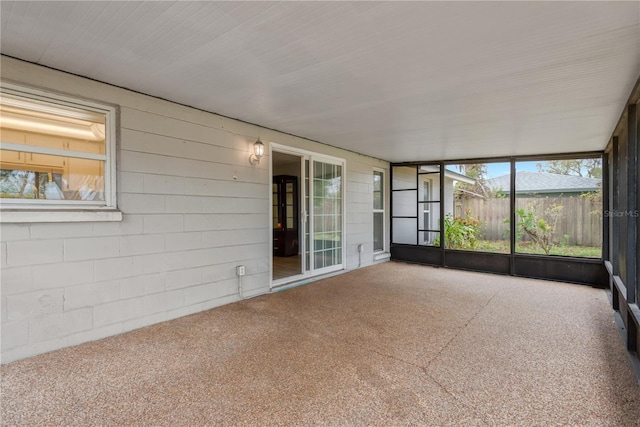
(327, 215)
(307, 222)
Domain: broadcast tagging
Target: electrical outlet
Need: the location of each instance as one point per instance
(240, 270)
(361, 248)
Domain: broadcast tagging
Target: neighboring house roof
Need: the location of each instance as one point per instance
(458, 177)
(543, 182)
(448, 174)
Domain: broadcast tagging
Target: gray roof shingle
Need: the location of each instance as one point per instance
(543, 182)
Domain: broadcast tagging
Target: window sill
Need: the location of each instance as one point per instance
(381, 255)
(22, 216)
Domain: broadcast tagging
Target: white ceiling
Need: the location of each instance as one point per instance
(400, 81)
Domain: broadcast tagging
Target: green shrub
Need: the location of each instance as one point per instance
(459, 232)
(540, 231)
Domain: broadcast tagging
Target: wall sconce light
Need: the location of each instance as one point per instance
(258, 149)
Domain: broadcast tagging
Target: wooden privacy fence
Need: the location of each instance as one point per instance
(579, 223)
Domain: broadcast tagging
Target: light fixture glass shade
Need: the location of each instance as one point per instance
(258, 148)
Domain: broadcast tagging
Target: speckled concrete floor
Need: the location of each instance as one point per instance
(392, 344)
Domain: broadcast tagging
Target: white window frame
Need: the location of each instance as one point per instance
(382, 211)
(20, 210)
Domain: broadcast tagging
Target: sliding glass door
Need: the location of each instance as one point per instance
(321, 219)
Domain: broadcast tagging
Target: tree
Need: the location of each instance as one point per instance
(477, 171)
(590, 168)
(473, 170)
(542, 231)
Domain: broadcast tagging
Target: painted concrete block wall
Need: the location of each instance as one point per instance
(193, 208)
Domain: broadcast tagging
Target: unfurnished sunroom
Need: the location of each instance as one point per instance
(195, 154)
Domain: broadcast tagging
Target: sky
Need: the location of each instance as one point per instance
(499, 169)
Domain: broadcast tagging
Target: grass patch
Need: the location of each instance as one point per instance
(502, 247)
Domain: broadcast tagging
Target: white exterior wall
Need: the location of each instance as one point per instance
(186, 224)
(448, 196)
